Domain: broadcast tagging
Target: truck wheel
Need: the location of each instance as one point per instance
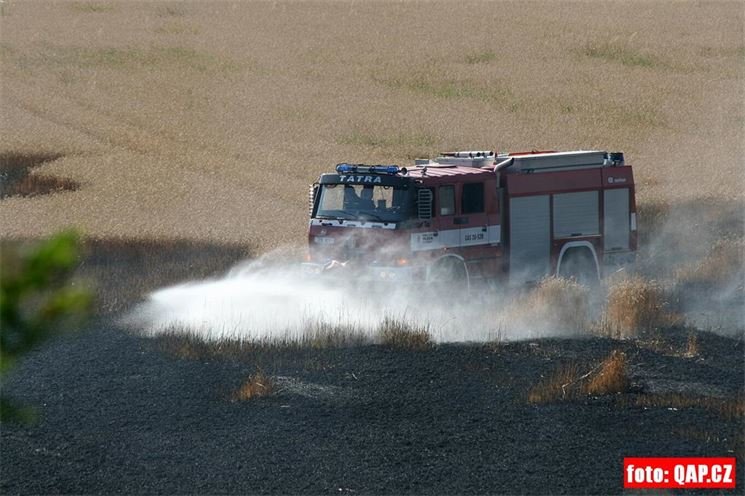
(449, 277)
(579, 264)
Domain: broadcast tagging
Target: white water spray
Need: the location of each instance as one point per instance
(260, 301)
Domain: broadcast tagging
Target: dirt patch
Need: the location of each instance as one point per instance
(17, 177)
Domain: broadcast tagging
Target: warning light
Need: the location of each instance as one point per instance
(345, 168)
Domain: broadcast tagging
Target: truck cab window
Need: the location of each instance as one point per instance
(447, 200)
(473, 198)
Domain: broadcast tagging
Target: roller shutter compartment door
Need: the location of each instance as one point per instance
(616, 228)
(576, 214)
(530, 237)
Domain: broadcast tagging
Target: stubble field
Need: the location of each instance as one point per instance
(207, 121)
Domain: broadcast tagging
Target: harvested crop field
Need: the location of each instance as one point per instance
(179, 139)
(208, 121)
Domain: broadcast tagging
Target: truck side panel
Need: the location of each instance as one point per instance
(616, 224)
(530, 238)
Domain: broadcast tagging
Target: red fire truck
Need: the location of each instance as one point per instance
(476, 216)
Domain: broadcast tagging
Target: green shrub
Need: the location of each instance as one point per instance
(36, 301)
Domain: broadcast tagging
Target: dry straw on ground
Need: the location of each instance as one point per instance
(692, 346)
(723, 264)
(256, 386)
(195, 344)
(611, 378)
(554, 305)
(570, 381)
(557, 386)
(202, 123)
(402, 335)
(635, 305)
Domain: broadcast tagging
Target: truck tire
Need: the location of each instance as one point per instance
(579, 264)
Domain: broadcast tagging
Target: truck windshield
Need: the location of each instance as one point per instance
(364, 202)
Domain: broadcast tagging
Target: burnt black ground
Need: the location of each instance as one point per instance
(118, 415)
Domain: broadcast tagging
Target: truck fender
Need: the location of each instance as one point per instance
(577, 244)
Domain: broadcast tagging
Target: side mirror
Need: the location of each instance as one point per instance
(424, 204)
(312, 192)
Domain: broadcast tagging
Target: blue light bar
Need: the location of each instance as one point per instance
(345, 168)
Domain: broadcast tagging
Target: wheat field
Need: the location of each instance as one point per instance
(207, 121)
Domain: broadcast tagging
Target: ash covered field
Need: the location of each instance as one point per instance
(180, 138)
(122, 416)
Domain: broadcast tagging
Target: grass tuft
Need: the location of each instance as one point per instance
(635, 305)
(692, 347)
(567, 382)
(171, 9)
(724, 261)
(612, 378)
(190, 344)
(177, 28)
(557, 386)
(358, 138)
(256, 386)
(621, 53)
(433, 85)
(322, 335)
(90, 7)
(480, 57)
(131, 58)
(401, 335)
(555, 304)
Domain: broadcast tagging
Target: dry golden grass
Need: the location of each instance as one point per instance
(692, 346)
(256, 386)
(634, 305)
(612, 378)
(554, 305)
(570, 381)
(207, 121)
(402, 335)
(320, 334)
(724, 262)
(187, 343)
(559, 385)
